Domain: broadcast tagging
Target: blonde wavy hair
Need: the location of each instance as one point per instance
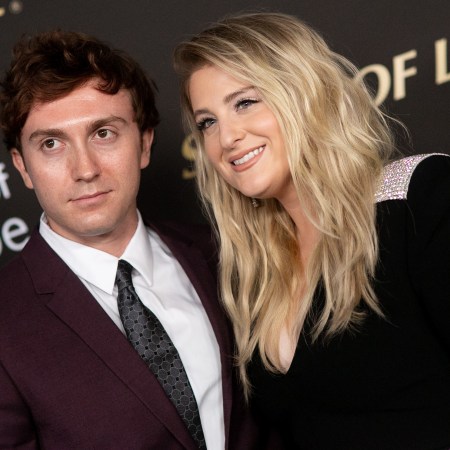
(337, 142)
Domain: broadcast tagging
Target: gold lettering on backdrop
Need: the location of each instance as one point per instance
(188, 152)
(440, 50)
(383, 77)
(401, 73)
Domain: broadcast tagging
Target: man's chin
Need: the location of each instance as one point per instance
(86, 233)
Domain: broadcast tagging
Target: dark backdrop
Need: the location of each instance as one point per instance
(400, 44)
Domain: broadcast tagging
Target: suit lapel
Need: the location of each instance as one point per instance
(193, 262)
(69, 299)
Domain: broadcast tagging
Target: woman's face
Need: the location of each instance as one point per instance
(242, 138)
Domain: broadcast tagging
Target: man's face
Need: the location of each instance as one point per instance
(83, 155)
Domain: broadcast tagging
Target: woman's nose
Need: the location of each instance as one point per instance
(231, 132)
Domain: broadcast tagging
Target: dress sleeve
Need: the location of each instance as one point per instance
(429, 233)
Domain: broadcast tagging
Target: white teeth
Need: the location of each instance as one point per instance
(248, 156)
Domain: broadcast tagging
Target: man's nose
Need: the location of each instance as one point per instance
(85, 165)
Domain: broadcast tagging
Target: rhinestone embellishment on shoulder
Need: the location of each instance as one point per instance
(396, 177)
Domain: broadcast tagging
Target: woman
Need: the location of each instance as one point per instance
(335, 263)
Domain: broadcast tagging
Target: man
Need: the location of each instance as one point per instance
(78, 119)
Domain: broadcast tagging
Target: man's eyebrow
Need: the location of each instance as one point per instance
(105, 121)
(58, 133)
(54, 132)
(227, 99)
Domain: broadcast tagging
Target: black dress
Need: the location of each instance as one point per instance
(386, 385)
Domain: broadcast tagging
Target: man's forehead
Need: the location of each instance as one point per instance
(82, 99)
(79, 109)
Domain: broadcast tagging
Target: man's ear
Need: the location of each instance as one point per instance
(147, 141)
(19, 164)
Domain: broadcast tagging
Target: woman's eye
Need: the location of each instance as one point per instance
(245, 103)
(205, 124)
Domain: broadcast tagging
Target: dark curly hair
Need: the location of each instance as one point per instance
(50, 65)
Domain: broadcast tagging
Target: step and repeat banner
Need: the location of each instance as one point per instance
(400, 46)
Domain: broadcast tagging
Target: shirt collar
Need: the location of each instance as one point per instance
(85, 261)
(139, 252)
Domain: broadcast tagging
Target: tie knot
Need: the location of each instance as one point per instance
(123, 275)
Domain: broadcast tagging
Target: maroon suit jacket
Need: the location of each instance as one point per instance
(69, 379)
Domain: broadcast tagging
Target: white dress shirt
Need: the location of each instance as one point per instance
(164, 288)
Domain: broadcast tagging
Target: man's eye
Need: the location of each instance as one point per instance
(51, 144)
(104, 133)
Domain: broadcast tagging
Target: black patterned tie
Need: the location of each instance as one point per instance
(151, 341)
